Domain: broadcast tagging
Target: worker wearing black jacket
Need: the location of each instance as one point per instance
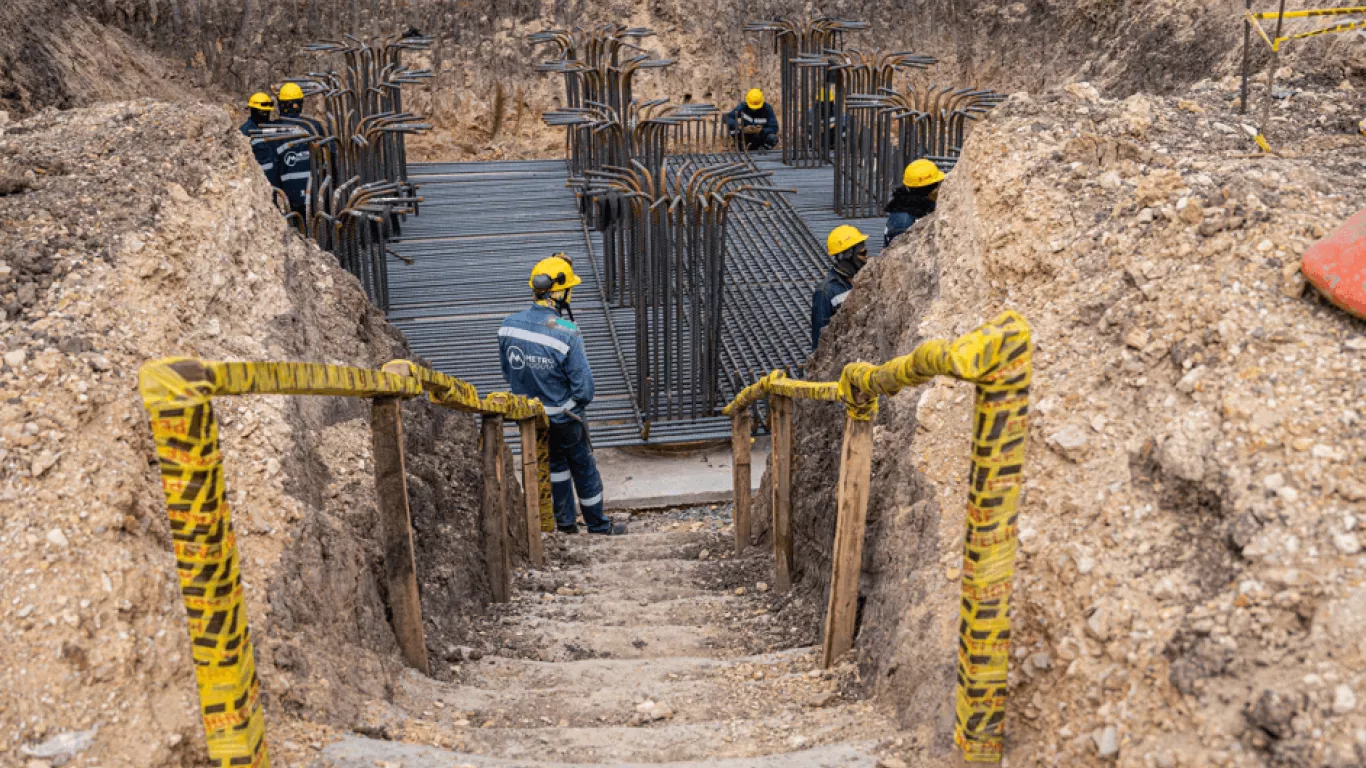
(915, 200)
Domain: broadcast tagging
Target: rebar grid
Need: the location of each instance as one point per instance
(666, 259)
(888, 129)
(358, 188)
(805, 104)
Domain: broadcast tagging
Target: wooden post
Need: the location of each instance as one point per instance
(494, 512)
(400, 570)
(531, 493)
(780, 424)
(856, 466)
(739, 461)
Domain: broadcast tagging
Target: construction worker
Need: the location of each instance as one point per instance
(752, 123)
(542, 356)
(914, 200)
(293, 158)
(823, 112)
(846, 245)
(260, 105)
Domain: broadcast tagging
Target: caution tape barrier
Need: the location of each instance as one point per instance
(998, 359)
(178, 394)
(1275, 45)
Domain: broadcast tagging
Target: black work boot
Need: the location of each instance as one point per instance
(617, 529)
(562, 529)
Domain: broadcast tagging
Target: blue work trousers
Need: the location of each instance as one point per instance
(571, 458)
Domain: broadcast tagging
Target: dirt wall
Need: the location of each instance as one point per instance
(1187, 589)
(140, 230)
(486, 100)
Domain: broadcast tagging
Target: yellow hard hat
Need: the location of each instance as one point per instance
(291, 92)
(557, 274)
(922, 173)
(842, 238)
(754, 99)
(260, 100)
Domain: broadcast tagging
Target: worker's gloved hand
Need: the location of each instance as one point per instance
(752, 129)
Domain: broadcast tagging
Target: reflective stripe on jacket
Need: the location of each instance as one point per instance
(294, 165)
(827, 298)
(542, 356)
(742, 117)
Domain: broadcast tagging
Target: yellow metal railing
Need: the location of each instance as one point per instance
(178, 394)
(998, 359)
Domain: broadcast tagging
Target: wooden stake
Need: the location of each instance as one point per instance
(740, 462)
(400, 569)
(496, 545)
(531, 493)
(780, 424)
(856, 466)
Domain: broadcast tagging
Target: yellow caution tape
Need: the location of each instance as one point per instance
(998, 359)
(1275, 44)
(453, 393)
(177, 393)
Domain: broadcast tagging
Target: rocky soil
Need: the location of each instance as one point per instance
(656, 648)
(137, 230)
(1189, 586)
(486, 100)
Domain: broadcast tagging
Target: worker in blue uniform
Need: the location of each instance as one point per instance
(542, 356)
(753, 124)
(846, 245)
(260, 107)
(294, 159)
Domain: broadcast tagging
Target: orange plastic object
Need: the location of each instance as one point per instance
(1336, 265)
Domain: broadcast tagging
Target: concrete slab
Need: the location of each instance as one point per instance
(651, 477)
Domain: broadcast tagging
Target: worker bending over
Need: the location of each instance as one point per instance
(846, 244)
(293, 157)
(752, 123)
(542, 357)
(914, 200)
(260, 105)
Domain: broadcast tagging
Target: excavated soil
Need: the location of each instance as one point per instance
(659, 647)
(486, 100)
(138, 230)
(1188, 590)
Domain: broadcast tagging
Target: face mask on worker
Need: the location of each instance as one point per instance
(852, 260)
(292, 108)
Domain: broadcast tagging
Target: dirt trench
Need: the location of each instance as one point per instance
(655, 648)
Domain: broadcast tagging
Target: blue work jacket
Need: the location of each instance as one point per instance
(827, 298)
(263, 152)
(542, 356)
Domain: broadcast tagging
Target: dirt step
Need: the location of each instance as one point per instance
(733, 696)
(531, 675)
(570, 640)
(613, 611)
(666, 742)
(358, 752)
(645, 546)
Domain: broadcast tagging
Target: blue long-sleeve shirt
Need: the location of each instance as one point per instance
(542, 356)
(826, 299)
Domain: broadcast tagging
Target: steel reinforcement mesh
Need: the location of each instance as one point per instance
(484, 225)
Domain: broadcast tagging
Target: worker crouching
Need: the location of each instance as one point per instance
(542, 356)
(846, 245)
(915, 199)
(752, 123)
